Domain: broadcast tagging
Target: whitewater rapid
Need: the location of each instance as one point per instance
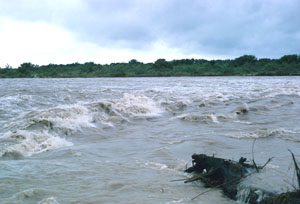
(121, 140)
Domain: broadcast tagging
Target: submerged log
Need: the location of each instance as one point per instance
(218, 172)
(227, 174)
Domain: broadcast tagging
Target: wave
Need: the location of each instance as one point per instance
(178, 106)
(29, 193)
(71, 117)
(43, 130)
(116, 111)
(65, 118)
(283, 104)
(136, 105)
(205, 118)
(265, 133)
(26, 143)
(260, 108)
(34, 194)
(243, 109)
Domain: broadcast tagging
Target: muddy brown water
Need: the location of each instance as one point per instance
(122, 140)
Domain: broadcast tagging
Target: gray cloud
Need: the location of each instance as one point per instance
(229, 28)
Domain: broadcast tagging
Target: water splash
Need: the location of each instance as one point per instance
(28, 143)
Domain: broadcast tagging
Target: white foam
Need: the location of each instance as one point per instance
(117, 111)
(50, 200)
(271, 166)
(136, 105)
(242, 122)
(175, 201)
(156, 165)
(152, 165)
(242, 109)
(104, 113)
(213, 118)
(30, 142)
(39, 131)
(71, 117)
(244, 193)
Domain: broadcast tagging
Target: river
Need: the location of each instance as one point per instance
(122, 140)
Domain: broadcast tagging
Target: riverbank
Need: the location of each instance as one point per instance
(246, 65)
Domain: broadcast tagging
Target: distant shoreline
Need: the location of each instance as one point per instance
(147, 77)
(246, 65)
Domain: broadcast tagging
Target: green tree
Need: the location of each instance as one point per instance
(26, 67)
(290, 59)
(162, 64)
(134, 62)
(250, 59)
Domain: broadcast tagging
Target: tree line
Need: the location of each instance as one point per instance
(246, 65)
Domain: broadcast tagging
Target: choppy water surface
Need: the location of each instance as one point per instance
(122, 140)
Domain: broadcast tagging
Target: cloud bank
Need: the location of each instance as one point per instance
(149, 28)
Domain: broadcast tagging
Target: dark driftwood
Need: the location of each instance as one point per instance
(218, 172)
(226, 174)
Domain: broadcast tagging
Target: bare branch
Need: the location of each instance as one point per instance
(270, 159)
(296, 167)
(253, 155)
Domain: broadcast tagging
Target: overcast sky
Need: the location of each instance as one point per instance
(105, 31)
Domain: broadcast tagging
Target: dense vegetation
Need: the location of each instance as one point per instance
(247, 65)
